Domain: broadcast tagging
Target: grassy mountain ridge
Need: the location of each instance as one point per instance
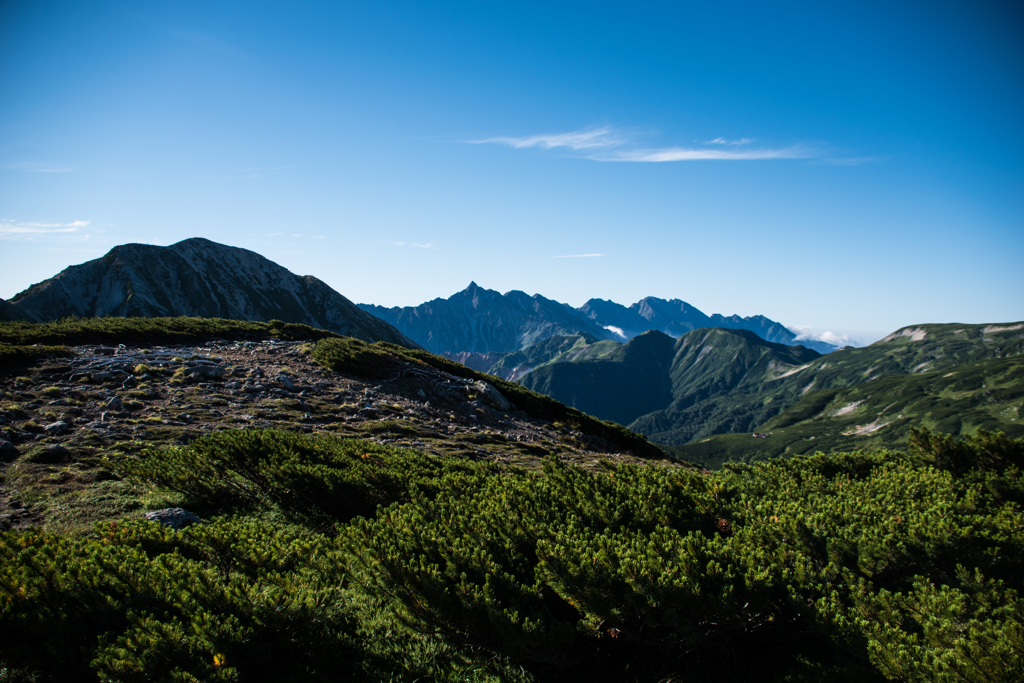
(662, 386)
(983, 395)
(383, 360)
(515, 365)
(638, 370)
(723, 381)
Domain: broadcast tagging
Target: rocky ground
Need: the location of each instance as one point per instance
(59, 418)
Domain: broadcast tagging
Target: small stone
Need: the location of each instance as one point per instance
(286, 382)
(491, 395)
(176, 518)
(102, 376)
(207, 371)
(115, 404)
(421, 393)
(8, 450)
(55, 428)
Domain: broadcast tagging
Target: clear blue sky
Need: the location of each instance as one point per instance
(847, 167)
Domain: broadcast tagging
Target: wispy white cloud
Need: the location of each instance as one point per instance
(723, 141)
(607, 144)
(577, 140)
(414, 245)
(579, 256)
(697, 154)
(16, 230)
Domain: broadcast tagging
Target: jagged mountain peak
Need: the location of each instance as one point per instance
(479, 320)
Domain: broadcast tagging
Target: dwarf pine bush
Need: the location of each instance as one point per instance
(325, 558)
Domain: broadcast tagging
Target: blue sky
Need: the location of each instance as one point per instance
(848, 168)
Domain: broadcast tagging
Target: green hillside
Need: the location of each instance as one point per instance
(620, 382)
(725, 381)
(517, 363)
(717, 379)
(670, 389)
(984, 395)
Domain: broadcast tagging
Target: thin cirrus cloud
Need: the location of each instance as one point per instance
(606, 144)
(579, 256)
(595, 138)
(414, 245)
(691, 154)
(16, 230)
(723, 141)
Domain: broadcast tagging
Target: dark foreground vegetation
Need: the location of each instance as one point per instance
(322, 558)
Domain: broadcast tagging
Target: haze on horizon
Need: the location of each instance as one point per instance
(846, 168)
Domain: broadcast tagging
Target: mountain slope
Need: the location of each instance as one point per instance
(983, 395)
(200, 278)
(513, 366)
(723, 381)
(618, 382)
(9, 311)
(653, 378)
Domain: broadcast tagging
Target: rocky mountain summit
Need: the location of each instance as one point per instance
(195, 277)
(484, 321)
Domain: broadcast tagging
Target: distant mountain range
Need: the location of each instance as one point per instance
(195, 277)
(484, 321)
